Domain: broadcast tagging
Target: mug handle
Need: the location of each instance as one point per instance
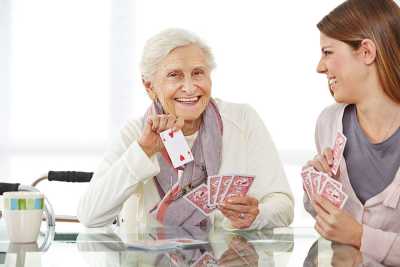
(48, 209)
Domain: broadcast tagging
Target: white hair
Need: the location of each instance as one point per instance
(160, 45)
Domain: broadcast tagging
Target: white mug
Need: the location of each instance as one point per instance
(23, 215)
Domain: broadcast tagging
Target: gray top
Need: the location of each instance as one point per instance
(371, 167)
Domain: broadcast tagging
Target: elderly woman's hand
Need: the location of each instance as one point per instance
(241, 211)
(150, 140)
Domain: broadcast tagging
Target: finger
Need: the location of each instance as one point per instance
(170, 121)
(246, 200)
(235, 219)
(318, 228)
(231, 215)
(241, 223)
(325, 229)
(316, 164)
(322, 213)
(149, 125)
(180, 122)
(155, 123)
(237, 208)
(326, 205)
(163, 123)
(328, 155)
(325, 166)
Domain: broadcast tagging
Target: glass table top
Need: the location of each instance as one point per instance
(108, 247)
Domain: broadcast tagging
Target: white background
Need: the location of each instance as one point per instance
(69, 77)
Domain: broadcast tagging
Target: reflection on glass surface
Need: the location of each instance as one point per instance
(327, 253)
(15, 254)
(222, 248)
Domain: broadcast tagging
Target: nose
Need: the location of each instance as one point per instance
(188, 86)
(321, 67)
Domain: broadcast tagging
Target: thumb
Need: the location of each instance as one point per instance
(148, 126)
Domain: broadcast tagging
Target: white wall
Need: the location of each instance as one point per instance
(70, 78)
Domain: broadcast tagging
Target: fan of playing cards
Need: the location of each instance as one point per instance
(315, 182)
(218, 188)
(204, 197)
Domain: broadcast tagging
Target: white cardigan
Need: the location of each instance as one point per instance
(123, 184)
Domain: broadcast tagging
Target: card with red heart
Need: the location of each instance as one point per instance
(177, 147)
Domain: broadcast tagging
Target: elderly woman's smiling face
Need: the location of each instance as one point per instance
(182, 82)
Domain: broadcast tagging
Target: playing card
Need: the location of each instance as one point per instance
(223, 186)
(338, 149)
(334, 194)
(239, 186)
(315, 181)
(205, 260)
(308, 186)
(177, 147)
(305, 172)
(213, 184)
(325, 177)
(198, 197)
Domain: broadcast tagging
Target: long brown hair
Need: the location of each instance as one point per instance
(377, 20)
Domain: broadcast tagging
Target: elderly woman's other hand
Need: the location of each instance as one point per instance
(241, 211)
(150, 140)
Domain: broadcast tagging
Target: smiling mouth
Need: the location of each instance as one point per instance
(188, 100)
(332, 83)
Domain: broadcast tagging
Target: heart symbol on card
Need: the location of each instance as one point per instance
(171, 134)
(181, 157)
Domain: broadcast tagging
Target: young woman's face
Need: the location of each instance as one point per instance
(344, 69)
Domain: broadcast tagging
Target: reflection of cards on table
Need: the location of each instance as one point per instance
(177, 147)
(206, 260)
(164, 244)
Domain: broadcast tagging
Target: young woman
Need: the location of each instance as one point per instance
(360, 44)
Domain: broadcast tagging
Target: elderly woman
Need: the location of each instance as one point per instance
(135, 176)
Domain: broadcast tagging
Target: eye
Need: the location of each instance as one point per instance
(197, 72)
(326, 52)
(172, 74)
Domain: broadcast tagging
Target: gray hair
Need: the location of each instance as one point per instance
(160, 45)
